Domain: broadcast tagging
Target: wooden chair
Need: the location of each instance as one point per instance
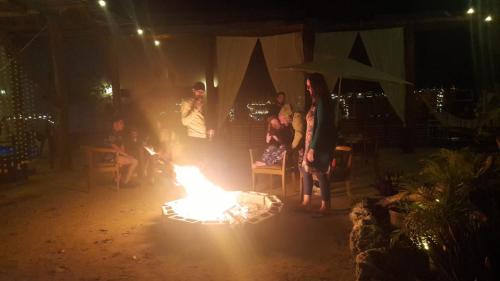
(95, 165)
(279, 170)
(340, 170)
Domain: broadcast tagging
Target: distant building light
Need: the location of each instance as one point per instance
(489, 18)
(108, 90)
(157, 43)
(140, 31)
(471, 11)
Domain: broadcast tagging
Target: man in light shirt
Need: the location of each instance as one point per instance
(193, 117)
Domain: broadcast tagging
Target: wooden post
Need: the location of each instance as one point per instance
(59, 98)
(212, 96)
(308, 38)
(408, 142)
(114, 69)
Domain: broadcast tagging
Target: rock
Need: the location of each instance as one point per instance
(358, 212)
(61, 269)
(364, 237)
(371, 266)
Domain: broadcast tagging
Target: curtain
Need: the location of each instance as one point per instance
(337, 44)
(385, 49)
(233, 56)
(283, 50)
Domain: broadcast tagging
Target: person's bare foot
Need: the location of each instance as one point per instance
(302, 208)
(322, 212)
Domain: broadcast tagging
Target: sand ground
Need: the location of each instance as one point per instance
(52, 228)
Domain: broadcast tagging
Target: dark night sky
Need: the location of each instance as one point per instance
(223, 10)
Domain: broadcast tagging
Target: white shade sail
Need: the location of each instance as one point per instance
(285, 49)
(345, 68)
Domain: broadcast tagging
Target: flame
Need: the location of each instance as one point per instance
(204, 200)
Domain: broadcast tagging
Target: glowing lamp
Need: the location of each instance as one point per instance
(157, 43)
(102, 3)
(140, 31)
(471, 11)
(489, 18)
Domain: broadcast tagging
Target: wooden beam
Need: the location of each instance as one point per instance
(10, 14)
(418, 23)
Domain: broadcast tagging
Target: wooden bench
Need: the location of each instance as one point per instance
(96, 165)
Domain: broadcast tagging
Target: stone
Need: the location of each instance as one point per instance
(364, 237)
(371, 266)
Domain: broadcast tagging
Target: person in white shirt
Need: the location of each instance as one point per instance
(193, 117)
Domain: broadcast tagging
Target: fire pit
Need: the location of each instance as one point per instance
(207, 203)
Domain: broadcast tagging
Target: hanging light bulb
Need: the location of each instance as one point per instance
(157, 43)
(102, 3)
(140, 31)
(489, 18)
(471, 11)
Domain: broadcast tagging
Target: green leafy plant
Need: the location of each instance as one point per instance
(443, 220)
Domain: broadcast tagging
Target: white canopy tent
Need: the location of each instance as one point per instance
(345, 68)
(233, 56)
(385, 50)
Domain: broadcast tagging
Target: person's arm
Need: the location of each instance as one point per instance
(297, 138)
(120, 149)
(270, 137)
(318, 125)
(298, 128)
(187, 110)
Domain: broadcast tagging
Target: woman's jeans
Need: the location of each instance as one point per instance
(324, 184)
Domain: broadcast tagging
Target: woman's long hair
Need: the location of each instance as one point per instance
(320, 89)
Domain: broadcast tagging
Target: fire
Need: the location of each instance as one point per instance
(204, 200)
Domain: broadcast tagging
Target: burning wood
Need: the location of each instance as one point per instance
(208, 203)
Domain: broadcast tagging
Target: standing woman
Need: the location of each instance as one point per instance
(319, 142)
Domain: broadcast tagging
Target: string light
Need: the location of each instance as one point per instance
(258, 110)
(140, 31)
(440, 100)
(157, 43)
(102, 3)
(3, 92)
(489, 18)
(108, 90)
(471, 11)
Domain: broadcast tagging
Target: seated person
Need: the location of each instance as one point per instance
(160, 146)
(116, 142)
(279, 138)
(134, 145)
